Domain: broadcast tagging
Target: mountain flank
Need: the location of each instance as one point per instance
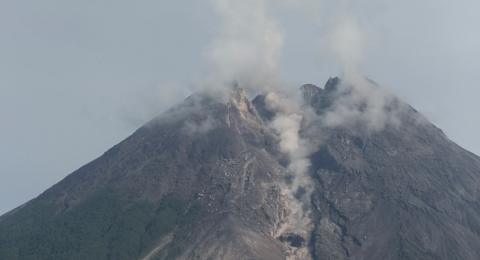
(336, 175)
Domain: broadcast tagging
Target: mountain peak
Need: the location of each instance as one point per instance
(332, 83)
(309, 91)
(224, 178)
(239, 101)
(238, 96)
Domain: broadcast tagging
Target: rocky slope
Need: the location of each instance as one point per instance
(220, 180)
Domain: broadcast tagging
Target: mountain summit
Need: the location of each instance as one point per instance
(347, 172)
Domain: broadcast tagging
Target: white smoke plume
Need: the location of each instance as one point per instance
(347, 42)
(363, 102)
(199, 126)
(288, 124)
(247, 48)
(360, 100)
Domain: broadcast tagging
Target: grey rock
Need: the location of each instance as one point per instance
(204, 181)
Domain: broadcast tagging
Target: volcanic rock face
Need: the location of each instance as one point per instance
(213, 180)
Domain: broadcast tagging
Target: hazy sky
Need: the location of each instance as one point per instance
(76, 77)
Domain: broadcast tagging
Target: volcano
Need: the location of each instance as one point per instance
(214, 178)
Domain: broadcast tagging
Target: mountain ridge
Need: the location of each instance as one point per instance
(231, 180)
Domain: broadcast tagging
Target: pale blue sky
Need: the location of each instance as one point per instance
(76, 77)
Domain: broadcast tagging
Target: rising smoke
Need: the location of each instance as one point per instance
(366, 103)
(247, 48)
(287, 122)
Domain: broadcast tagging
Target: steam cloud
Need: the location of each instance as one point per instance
(248, 46)
(347, 42)
(361, 100)
(288, 123)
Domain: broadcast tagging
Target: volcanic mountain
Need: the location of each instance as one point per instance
(336, 175)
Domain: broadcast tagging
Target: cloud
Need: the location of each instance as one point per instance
(359, 102)
(358, 99)
(247, 48)
(287, 123)
(200, 125)
(347, 43)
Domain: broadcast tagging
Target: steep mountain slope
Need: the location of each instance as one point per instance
(187, 180)
(210, 180)
(403, 192)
